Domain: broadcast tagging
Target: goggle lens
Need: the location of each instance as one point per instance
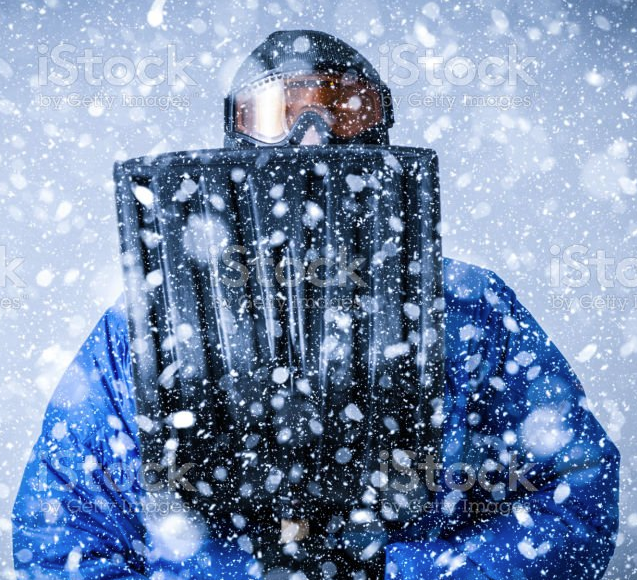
(267, 110)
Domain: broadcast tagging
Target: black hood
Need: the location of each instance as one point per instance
(311, 51)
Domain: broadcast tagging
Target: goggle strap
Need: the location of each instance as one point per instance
(387, 105)
(228, 121)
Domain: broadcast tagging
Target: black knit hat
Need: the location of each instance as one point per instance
(311, 51)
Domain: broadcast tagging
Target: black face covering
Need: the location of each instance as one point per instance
(305, 52)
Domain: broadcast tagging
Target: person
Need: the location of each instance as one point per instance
(510, 398)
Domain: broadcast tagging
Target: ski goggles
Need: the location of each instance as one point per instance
(268, 109)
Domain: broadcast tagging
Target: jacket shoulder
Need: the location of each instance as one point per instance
(479, 306)
(97, 383)
(467, 285)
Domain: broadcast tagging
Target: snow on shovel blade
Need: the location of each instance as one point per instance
(285, 318)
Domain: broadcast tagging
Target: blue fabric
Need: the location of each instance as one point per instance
(511, 398)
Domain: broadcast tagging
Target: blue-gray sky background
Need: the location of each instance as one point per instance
(520, 185)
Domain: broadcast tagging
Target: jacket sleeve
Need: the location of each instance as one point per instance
(84, 509)
(77, 510)
(522, 402)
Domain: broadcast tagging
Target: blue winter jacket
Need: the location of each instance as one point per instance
(510, 396)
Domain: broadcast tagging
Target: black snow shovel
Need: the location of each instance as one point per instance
(286, 324)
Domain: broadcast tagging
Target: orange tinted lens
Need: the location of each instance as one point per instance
(359, 108)
(268, 110)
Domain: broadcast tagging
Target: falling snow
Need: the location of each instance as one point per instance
(268, 401)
